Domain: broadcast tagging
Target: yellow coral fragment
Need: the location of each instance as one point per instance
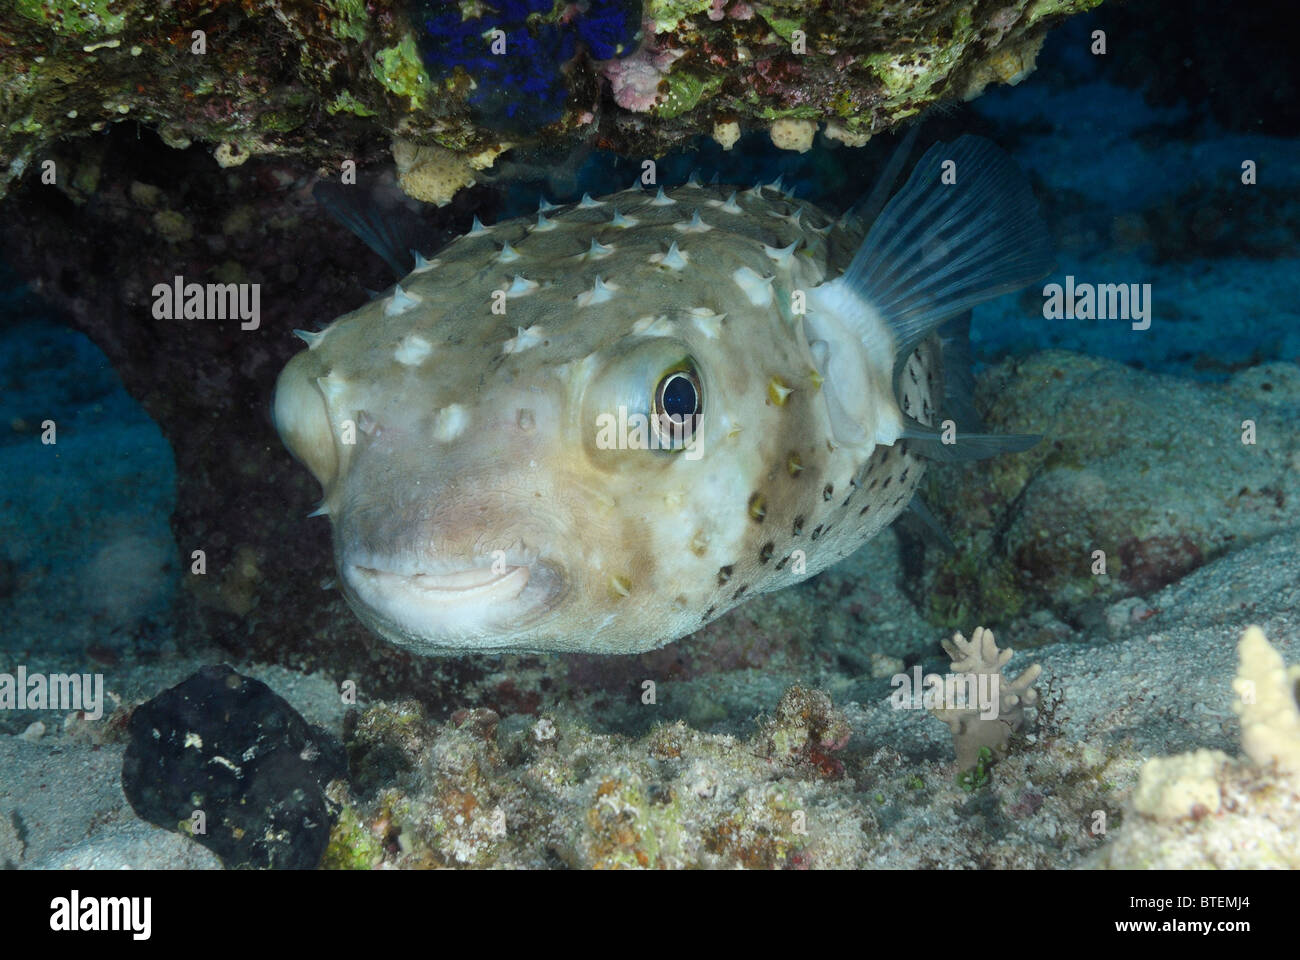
(1266, 704)
(850, 138)
(980, 656)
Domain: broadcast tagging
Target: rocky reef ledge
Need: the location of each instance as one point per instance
(450, 86)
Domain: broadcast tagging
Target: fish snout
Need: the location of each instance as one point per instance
(456, 564)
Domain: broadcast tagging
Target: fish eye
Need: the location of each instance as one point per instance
(678, 404)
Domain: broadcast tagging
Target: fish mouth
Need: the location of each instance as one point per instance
(473, 584)
(472, 607)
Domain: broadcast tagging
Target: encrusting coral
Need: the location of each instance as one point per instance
(971, 733)
(636, 78)
(1206, 809)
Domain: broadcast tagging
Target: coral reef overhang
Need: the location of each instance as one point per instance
(327, 82)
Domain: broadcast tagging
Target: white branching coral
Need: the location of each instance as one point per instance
(1190, 784)
(980, 657)
(1206, 809)
(1266, 703)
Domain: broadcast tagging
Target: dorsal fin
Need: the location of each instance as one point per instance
(866, 210)
(385, 234)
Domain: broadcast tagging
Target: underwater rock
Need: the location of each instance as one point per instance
(806, 730)
(132, 846)
(226, 760)
(1183, 477)
(468, 76)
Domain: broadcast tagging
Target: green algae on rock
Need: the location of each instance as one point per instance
(216, 74)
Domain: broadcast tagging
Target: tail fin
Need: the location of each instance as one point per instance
(940, 248)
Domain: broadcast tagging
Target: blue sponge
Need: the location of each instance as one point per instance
(525, 86)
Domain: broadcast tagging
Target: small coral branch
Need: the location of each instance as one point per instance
(980, 657)
(1267, 704)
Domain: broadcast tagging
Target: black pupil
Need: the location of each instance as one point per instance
(679, 399)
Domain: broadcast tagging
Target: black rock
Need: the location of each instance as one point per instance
(226, 746)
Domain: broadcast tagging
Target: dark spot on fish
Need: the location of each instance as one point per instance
(794, 464)
(724, 574)
(784, 561)
(766, 551)
(897, 500)
(757, 507)
(864, 510)
(885, 485)
(828, 491)
(709, 613)
(817, 531)
(743, 588)
(912, 373)
(902, 477)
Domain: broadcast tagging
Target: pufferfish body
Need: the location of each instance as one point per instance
(602, 428)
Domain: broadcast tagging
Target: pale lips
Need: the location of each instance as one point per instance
(476, 583)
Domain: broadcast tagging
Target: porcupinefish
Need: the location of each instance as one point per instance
(600, 429)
